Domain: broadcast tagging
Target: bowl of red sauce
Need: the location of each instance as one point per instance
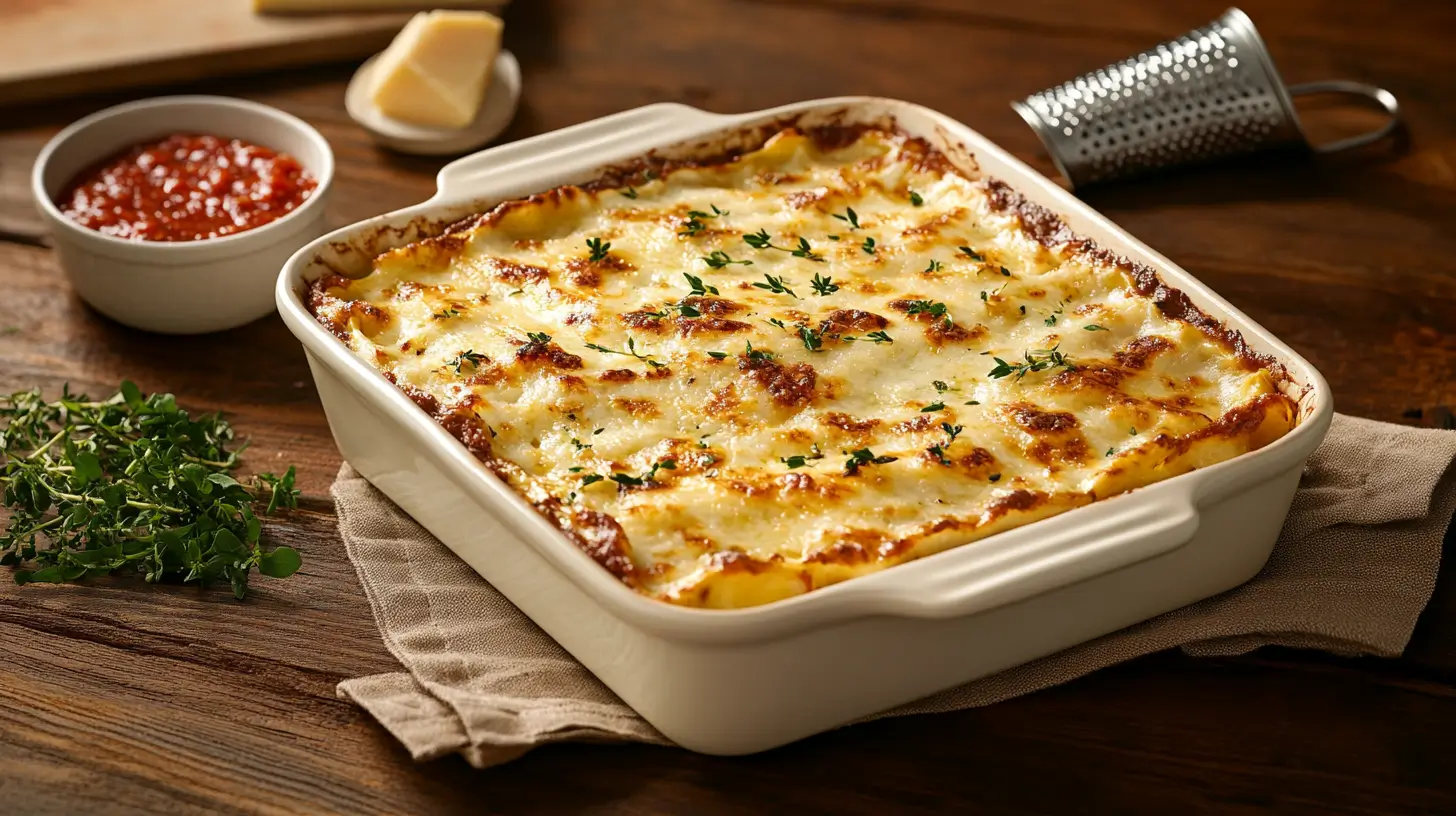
(175, 214)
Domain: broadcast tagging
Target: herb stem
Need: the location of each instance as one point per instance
(133, 503)
(61, 434)
(37, 528)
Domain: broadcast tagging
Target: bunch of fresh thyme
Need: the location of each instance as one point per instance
(131, 483)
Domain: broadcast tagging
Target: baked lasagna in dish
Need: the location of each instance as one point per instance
(738, 379)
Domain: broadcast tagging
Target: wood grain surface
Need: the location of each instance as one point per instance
(55, 48)
(122, 697)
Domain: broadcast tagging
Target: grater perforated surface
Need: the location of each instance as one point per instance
(1212, 92)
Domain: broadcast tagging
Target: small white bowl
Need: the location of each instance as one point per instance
(180, 287)
(496, 112)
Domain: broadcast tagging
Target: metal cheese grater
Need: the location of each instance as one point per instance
(1210, 93)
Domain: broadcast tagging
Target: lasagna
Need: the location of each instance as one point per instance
(735, 380)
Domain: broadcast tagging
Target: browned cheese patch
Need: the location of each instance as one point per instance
(1055, 437)
(642, 408)
(791, 386)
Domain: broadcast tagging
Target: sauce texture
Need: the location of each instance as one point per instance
(187, 187)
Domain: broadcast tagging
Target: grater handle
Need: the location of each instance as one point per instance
(1381, 97)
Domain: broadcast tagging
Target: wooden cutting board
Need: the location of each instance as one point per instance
(51, 48)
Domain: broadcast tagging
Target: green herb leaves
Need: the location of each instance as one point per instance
(865, 456)
(466, 358)
(823, 285)
(873, 337)
(938, 451)
(934, 308)
(759, 240)
(762, 240)
(756, 354)
(802, 460)
(597, 249)
(131, 483)
(695, 225)
(638, 481)
(850, 217)
(699, 288)
(630, 352)
(717, 259)
(812, 340)
(1036, 360)
(778, 286)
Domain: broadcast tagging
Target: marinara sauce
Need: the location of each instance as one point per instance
(187, 187)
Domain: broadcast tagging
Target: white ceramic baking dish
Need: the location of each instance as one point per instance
(737, 681)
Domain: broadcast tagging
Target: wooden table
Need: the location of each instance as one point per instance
(126, 697)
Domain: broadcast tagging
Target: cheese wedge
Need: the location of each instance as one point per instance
(436, 71)
(300, 6)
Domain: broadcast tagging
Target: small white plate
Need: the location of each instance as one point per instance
(495, 113)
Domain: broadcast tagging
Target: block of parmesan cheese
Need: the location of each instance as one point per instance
(287, 6)
(436, 71)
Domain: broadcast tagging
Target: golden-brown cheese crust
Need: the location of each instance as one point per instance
(724, 421)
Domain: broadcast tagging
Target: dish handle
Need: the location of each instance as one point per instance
(1074, 554)
(628, 132)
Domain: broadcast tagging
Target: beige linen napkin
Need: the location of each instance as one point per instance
(1354, 566)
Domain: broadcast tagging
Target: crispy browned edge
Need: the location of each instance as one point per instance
(599, 534)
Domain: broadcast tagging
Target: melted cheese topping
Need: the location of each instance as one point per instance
(918, 373)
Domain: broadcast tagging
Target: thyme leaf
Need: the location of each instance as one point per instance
(132, 484)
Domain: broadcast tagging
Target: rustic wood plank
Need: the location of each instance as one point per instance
(123, 697)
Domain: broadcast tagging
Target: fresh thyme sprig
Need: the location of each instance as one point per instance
(695, 225)
(1036, 360)
(934, 308)
(630, 352)
(938, 451)
(756, 354)
(762, 240)
(862, 457)
(778, 286)
(131, 483)
(684, 309)
(627, 480)
(699, 288)
(468, 357)
(717, 259)
(802, 460)
(850, 217)
(823, 285)
(598, 249)
(813, 340)
(873, 337)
